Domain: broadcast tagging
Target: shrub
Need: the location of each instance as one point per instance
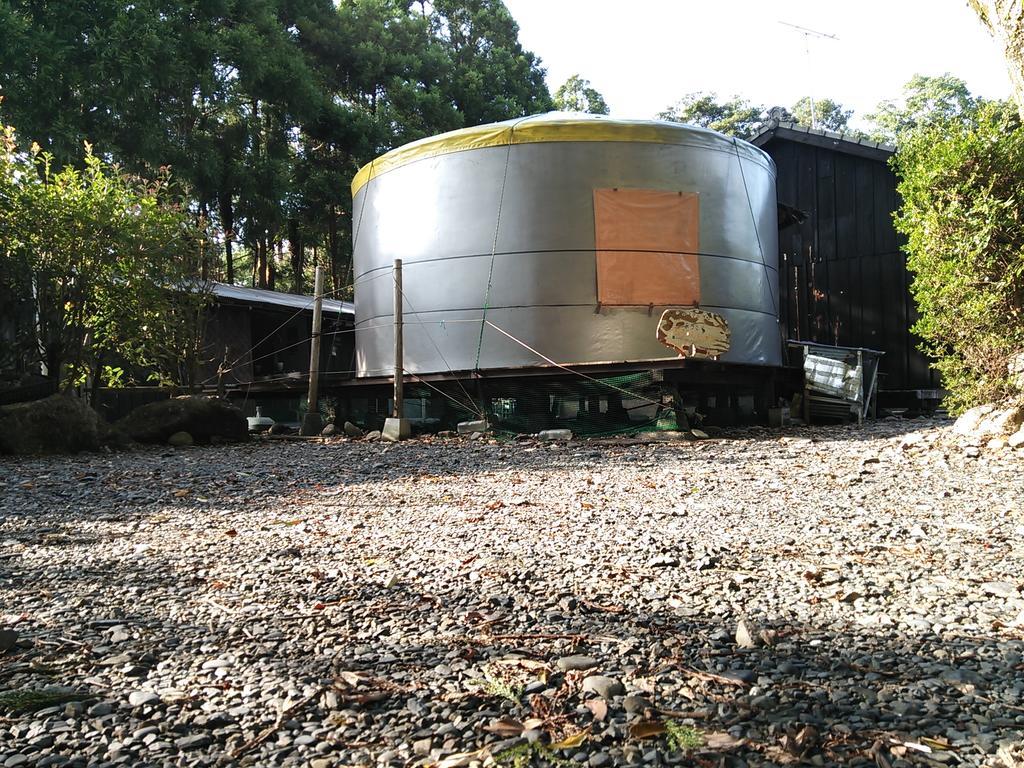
(962, 186)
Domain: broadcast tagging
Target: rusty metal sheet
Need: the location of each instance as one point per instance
(694, 332)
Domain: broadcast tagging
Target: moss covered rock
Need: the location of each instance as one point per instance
(60, 423)
(204, 418)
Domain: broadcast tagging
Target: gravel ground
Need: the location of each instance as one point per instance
(826, 596)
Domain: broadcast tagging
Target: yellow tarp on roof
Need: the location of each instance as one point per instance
(546, 128)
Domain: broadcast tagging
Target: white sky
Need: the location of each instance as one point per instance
(643, 55)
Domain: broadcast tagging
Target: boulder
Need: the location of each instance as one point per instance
(60, 423)
(202, 417)
(180, 440)
(352, 430)
(969, 421)
(990, 421)
(329, 431)
(469, 427)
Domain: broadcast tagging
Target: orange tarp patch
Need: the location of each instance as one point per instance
(647, 242)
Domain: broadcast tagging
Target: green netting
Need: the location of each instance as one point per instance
(594, 407)
(606, 406)
(609, 405)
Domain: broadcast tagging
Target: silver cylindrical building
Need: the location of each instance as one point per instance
(563, 238)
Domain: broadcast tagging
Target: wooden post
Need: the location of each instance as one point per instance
(397, 427)
(399, 354)
(312, 424)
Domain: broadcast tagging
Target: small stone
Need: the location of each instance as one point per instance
(373, 436)
(635, 705)
(605, 687)
(665, 561)
(101, 709)
(569, 663)
(216, 664)
(329, 431)
(8, 639)
(15, 760)
(422, 747)
(322, 762)
(745, 634)
(469, 427)
(192, 742)
(142, 698)
(180, 439)
(1000, 589)
(599, 760)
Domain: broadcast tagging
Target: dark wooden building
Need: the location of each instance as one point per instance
(267, 336)
(843, 277)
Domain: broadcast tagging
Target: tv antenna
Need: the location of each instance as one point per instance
(807, 35)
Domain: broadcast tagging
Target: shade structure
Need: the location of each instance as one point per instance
(563, 239)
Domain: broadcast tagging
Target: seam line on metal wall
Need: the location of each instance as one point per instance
(573, 250)
(494, 242)
(760, 248)
(553, 306)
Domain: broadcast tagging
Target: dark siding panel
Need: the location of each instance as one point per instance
(893, 288)
(867, 306)
(843, 266)
(824, 266)
(846, 283)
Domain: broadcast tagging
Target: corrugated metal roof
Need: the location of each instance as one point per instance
(275, 298)
(842, 142)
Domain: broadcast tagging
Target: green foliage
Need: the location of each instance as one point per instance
(828, 115)
(961, 182)
(24, 700)
(497, 684)
(108, 262)
(927, 101)
(263, 109)
(735, 117)
(682, 738)
(577, 95)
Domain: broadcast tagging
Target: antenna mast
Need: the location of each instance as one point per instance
(807, 35)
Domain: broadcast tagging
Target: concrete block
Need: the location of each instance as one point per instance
(555, 434)
(312, 424)
(468, 427)
(396, 429)
(778, 417)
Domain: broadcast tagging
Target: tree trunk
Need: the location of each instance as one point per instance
(204, 255)
(1005, 21)
(274, 255)
(295, 249)
(260, 260)
(337, 272)
(227, 221)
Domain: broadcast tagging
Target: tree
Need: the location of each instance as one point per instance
(735, 117)
(108, 262)
(1004, 19)
(577, 95)
(828, 115)
(264, 109)
(490, 76)
(927, 101)
(960, 183)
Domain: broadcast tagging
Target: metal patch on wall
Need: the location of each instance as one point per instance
(694, 332)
